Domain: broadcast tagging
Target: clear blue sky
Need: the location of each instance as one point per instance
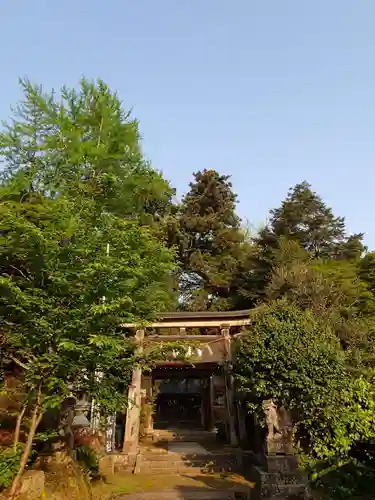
(272, 92)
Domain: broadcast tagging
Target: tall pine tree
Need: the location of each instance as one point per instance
(305, 218)
(210, 241)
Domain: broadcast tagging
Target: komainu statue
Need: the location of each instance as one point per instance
(272, 419)
(279, 428)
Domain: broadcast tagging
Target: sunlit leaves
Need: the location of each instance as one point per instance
(292, 357)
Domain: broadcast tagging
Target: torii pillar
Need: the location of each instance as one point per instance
(131, 438)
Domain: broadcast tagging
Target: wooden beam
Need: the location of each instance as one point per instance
(200, 315)
(193, 324)
(198, 338)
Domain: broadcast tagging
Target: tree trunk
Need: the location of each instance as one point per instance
(17, 430)
(35, 421)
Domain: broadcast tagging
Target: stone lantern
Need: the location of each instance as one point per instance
(80, 421)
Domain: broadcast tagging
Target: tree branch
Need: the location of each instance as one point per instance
(18, 362)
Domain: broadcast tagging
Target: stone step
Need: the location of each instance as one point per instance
(184, 435)
(174, 461)
(162, 463)
(291, 494)
(185, 494)
(197, 462)
(178, 465)
(170, 457)
(182, 470)
(123, 469)
(174, 468)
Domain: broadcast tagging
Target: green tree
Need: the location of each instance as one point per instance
(305, 218)
(211, 242)
(85, 145)
(79, 254)
(302, 218)
(64, 298)
(367, 270)
(331, 289)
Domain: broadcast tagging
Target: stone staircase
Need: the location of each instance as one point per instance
(183, 462)
(181, 451)
(184, 454)
(198, 455)
(162, 462)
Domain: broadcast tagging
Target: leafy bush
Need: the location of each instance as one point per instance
(89, 460)
(347, 418)
(290, 356)
(9, 464)
(342, 480)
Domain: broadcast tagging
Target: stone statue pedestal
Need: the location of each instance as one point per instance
(280, 477)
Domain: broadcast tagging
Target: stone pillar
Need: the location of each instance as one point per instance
(148, 403)
(229, 393)
(134, 404)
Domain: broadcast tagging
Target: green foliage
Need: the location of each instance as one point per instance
(367, 270)
(84, 145)
(330, 288)
(80, 247)
(304, 217)
(287, 354)
(292, 357)
(212, 247)
(343, 275)
(294, 278)
(348, 415)
(342, 479)
(9, 464)
(56, 321)
(89, 460)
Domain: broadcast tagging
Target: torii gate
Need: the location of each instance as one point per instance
(216, 352)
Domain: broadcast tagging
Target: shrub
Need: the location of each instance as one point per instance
(89, 460)
(9, 464)
(290, 356)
